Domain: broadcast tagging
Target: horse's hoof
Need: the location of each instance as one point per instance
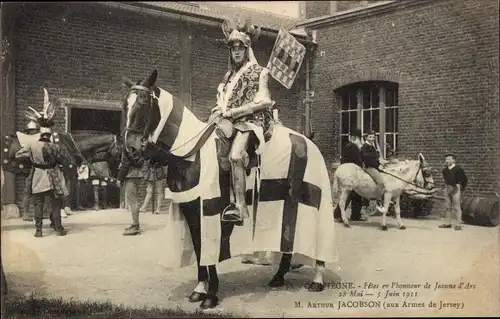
(210, 301)
(384, 227)
(316, 287)
(277, 281)
(402, 227)
(197, 296)
(347, 225)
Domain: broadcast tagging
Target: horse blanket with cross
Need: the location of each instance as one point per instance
(288, 194)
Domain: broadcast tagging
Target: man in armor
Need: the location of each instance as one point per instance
(243, 100)
(30, 129)
(46, 181)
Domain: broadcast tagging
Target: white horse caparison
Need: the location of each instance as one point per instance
(411, 176)
(143, 117)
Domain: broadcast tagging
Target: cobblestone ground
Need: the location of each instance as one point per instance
(95, 262)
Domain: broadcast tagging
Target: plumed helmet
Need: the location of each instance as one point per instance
(237, 32)
(45, 118)
(32, 125)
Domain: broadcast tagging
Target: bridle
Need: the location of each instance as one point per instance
(422, 170)
(148, 124)
(144, 133)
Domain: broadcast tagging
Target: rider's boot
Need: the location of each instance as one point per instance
(238, 210)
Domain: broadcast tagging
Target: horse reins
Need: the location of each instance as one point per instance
(148, 122)
(414, 179)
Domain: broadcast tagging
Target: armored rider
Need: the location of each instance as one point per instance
(47, 179)
(243, 100)
(31, 128)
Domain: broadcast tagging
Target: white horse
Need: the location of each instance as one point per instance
(411, 176)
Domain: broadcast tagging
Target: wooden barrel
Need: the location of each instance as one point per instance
(483, 211)
(474, 205)
(487, 211)
(466, 200)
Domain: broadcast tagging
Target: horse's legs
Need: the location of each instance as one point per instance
(191, 213)
(279, 278)
(317, 284)
(213, 281)
(96, 197)
(387, 202)
(210, 299)
(202, 278)
(343, 198)
(397, 209)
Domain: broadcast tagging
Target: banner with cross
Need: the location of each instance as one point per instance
(286, 58)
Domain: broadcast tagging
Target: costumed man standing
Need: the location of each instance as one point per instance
(130, 174)
(47, 179)
(373, 161)
(244, 101)
(351, 153)
(31, 129)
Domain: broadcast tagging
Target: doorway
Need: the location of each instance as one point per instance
(99, 120)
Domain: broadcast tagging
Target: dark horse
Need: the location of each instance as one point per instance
(151, 111)
(81, 147)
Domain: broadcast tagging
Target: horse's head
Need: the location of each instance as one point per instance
(418, 174)
(116, 148)
(143, 115)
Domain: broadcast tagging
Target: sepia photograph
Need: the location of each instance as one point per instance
(250, 159)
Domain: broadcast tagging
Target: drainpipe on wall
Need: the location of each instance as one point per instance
(309, 98)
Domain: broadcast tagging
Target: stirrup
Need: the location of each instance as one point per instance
(232, 214)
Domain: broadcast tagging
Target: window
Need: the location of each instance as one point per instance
(370, 106)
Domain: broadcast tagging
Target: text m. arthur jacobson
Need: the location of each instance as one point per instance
(339, 304)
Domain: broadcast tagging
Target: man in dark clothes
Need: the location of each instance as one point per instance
(352, 154)
(455, 181)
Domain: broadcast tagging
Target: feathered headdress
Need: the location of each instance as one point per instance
(236, 31)
(45, 118)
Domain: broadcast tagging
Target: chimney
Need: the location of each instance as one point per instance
(314, 9)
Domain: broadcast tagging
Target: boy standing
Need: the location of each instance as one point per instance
(455, 181)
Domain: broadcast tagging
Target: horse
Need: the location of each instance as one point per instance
(80, 147)
(413, 177)
(289, 192)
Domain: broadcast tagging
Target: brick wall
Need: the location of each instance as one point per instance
(317, 9)
(82, 51)
(444, 55)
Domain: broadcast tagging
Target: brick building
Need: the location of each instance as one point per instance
(424, 74)
(80, 51)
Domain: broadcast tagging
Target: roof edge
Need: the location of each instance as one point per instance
(149, 8)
